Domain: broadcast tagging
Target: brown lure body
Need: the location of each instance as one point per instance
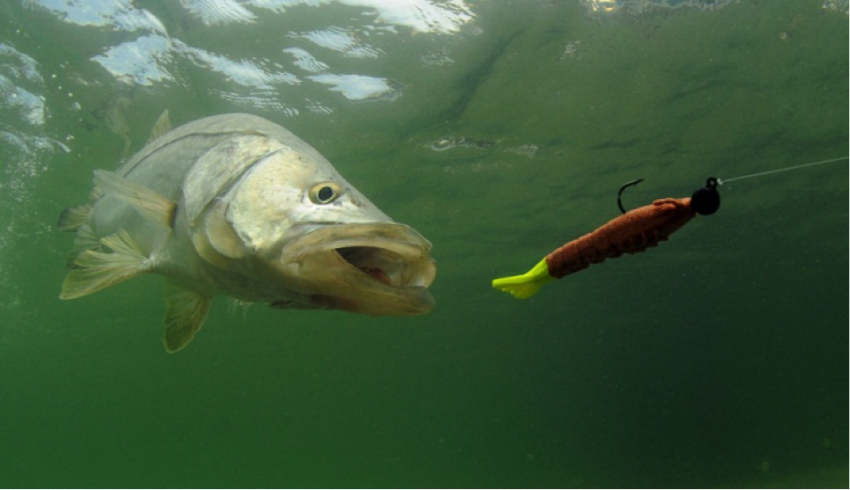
(630, 233)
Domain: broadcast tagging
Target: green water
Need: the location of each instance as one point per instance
(716, 360)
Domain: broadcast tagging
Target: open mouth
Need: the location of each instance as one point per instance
(380, 264)
(381, 268)
(391, 254)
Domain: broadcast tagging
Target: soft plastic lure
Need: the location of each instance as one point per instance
(630, 233)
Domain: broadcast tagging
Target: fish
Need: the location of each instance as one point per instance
(235, 205)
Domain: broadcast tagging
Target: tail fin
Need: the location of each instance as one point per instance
(525, 285)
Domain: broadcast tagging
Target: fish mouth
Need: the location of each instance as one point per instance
(372, 268)
(383, 265)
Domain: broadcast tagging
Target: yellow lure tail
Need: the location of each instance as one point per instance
(525, 285)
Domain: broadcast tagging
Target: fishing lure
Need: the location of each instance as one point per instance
(631, 233)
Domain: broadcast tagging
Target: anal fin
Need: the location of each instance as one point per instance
(93, 270)
(185, 313)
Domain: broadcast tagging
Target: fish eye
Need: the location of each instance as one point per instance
(324, 193)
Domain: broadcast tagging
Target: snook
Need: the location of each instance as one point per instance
(236, 205)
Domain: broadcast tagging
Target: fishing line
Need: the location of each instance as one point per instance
(786, 169)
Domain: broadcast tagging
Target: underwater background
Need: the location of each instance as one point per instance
(499, 130)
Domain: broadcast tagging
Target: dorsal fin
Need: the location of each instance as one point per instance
(161, 126)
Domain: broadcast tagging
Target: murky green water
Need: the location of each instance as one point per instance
(718, 359)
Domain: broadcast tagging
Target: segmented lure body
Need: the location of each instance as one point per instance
(633, 232)
(630, 233)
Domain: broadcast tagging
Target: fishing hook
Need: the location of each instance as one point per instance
(620, 193)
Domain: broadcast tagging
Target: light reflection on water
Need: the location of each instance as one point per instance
(153, 55)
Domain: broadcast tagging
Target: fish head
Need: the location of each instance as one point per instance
(299, 230)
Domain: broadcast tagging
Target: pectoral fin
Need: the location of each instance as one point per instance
(221, 234)
(215, 240)
(148, 203)
(93, 270)
(185, 312)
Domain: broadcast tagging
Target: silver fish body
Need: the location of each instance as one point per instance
(236, 205)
